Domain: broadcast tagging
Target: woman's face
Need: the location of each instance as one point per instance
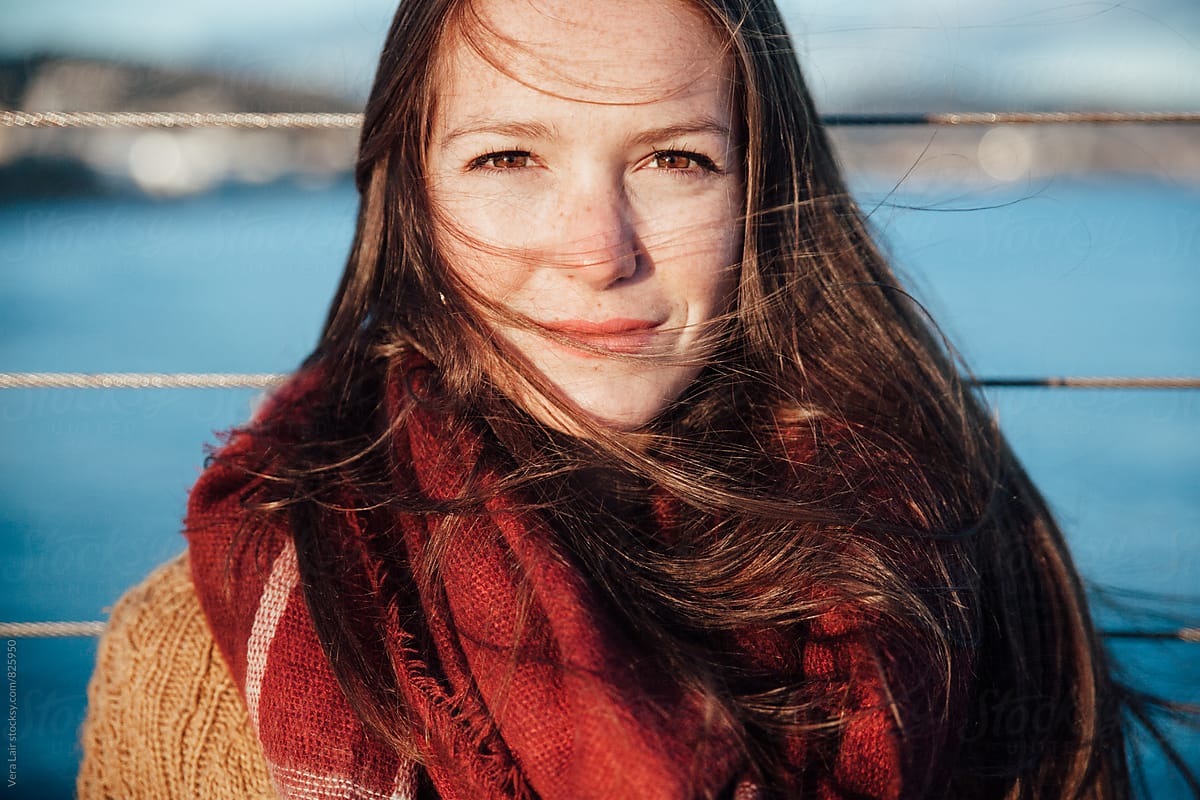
(594, 187)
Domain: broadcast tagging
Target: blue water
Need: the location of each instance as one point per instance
(1081, 277)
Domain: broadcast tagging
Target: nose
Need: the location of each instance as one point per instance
(597, 238)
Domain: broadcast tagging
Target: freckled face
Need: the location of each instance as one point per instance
(593, 187)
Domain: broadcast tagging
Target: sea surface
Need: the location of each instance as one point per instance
(1082, 277)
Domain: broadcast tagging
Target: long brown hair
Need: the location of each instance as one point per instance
(913, 507)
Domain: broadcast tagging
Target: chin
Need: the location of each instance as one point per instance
(631, 405)
(616, 395)
(623, 418)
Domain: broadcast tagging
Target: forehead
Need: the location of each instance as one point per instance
(621, 52)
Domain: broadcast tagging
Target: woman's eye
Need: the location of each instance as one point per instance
(678, 161)
(671, 161)
(509, 159)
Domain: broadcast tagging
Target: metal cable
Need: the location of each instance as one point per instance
(43, 630)
(1181, 635)
(138, 380)
(275, 120)
(175, 119)
(1014, 118)
(263, 380)
(1089, 383)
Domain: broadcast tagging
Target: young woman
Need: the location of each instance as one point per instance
(623, 468)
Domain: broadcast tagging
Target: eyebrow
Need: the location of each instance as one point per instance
(704, 126)
(514, 128)
(537, 130)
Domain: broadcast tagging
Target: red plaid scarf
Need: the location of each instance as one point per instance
(580, 718)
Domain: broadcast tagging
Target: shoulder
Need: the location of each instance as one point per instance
(164, 716)
(152, 609)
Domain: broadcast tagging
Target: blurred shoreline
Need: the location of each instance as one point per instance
(40, 163)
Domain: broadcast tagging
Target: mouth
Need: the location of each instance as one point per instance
(617, 335)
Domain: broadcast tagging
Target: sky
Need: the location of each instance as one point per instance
(1139, 54)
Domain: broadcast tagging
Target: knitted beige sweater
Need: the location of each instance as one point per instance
(165, 719)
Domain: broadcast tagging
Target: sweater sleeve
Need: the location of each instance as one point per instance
(164, 717)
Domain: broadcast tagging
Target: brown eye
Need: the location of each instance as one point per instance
(509, 160)
(672, 161)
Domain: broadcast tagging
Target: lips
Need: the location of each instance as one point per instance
(617, 335)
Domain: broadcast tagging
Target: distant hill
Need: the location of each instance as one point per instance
(45, 162)
(44, 82)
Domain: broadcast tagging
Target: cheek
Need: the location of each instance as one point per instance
(731, 246)
(483, 250)
(702, 259)
(727, 247)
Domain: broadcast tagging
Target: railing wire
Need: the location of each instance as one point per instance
(1014, 118)
(317, 120)
(1089, 383)
(175, 119)
(263, 380)
(45, 630)
(1181, 635)
(139, 380)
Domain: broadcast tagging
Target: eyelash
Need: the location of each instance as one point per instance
(703, 162)
(481, 163)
